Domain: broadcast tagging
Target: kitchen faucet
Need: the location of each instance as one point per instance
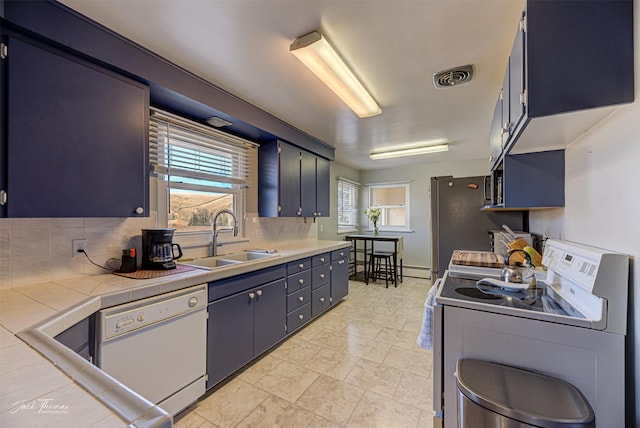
(215, 230)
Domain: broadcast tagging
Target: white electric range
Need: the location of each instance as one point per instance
(571, 327)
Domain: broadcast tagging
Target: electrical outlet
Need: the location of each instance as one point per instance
(79, 244)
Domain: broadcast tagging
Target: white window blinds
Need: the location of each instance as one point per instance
(348, 202)
(196, 156)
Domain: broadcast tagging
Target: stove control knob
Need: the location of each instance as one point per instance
(141, 317)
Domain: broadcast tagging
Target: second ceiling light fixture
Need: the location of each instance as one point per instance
(316, 53)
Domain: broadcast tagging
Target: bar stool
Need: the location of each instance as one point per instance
(377, 271)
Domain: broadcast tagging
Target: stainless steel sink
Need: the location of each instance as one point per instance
(209, 263)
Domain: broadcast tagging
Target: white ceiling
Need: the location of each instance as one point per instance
(394, 46)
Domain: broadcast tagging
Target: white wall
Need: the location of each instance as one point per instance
(602, 206)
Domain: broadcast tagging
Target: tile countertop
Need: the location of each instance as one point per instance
(43, 383)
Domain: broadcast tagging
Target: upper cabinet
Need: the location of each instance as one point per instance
(569, 62)
(76, 136)
(291, 182)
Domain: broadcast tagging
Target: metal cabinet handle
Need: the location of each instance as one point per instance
(301, 317)
(301, 298)
(301, 266)
(301, 281)
(340, 262)
(322, 259)
(259, 292)
(321, 276)
(322, 299)
(252, 296)
(139, 210)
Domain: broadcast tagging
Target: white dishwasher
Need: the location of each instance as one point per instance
(157, 346)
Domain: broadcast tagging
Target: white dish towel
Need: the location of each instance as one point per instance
(425, 338)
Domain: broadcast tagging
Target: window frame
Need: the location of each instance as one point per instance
(164, 184)
(391, 228)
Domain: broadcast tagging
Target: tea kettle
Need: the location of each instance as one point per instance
(517, 272)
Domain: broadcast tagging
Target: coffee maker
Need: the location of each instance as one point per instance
(158, 250)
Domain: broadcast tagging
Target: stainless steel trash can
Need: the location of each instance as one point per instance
(493, 395)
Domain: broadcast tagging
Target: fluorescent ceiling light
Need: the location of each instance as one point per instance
(316, 53)
(409, 151)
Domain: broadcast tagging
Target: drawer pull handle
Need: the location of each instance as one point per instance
(301, 281)
(322, 259)
(301, 298)
(252, 296)
(259, 292)
(322, 299)
(341, 262)
(322, 276)
(301, 265)
(301, 317)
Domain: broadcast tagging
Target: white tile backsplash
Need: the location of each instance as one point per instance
(40, 250)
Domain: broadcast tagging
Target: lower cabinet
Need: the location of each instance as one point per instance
(250, 313)
(339, 275)
(244, 325)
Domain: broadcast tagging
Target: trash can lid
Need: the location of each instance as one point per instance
(522, 395)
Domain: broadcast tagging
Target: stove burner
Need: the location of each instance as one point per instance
(476, 294)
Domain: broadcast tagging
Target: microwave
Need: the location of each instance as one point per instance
(494, 188)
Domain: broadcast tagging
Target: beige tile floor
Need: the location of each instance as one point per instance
(357, 365)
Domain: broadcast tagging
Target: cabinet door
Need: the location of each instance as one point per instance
(516, 79)
(270, 310)
(229, 336)
(505, 131)
(323, 184)
(289, 181)
(495, 133)
(339, 279)
(308, 184)
(77, 137)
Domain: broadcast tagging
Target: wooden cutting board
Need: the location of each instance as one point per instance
(477, 258)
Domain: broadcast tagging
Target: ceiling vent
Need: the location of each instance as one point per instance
(453, 76)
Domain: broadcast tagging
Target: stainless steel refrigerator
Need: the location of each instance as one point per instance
(457, 222)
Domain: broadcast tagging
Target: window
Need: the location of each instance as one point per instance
(200, 172)
(393, 201)
(348, 212)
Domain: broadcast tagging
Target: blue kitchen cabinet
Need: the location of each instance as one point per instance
(291, 182)
(567, 57)
(339, 275)
(530, 181)
(247, 316)
(320, 284)
(76, 136)
(315, 185)
(323, 187)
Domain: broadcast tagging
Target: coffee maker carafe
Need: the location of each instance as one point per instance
(158, 252)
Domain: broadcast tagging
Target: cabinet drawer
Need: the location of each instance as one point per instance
(298, 266)
(338, 254)
(320, 259)
(298, 318)
(236, 284)
(320, 300)
(320, 276)
(298, 299)
(298, 281)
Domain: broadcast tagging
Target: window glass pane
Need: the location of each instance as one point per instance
(192, 210)
(395, 217)
(348, 213)
(388, 196)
